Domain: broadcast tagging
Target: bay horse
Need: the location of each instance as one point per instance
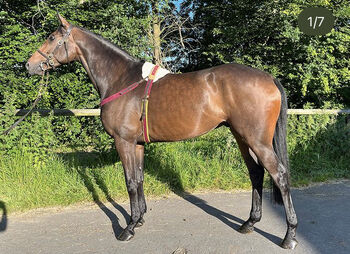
(181, 106)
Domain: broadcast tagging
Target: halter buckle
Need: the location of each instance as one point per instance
(42, 66)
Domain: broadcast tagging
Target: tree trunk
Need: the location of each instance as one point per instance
(156, 34)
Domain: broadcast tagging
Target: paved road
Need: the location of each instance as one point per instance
(201, 223)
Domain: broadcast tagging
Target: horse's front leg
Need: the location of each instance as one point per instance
(127, 154)
(140, 177)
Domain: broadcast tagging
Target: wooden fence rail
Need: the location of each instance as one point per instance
(96, 112)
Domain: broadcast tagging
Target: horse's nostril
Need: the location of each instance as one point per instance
(27, 65)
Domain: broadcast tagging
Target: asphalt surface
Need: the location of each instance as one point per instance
(199, 223)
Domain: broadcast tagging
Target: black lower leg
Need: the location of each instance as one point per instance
(280, 176)
(289, 241)
(255, 214)
(127, 153)
(142, 204)
(281, 180)
(256, 176)
(128, 232)
(140, 178)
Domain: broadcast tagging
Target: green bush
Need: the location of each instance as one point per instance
(319, 148)
(34, 135)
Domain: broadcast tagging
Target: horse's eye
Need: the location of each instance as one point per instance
(52, 37)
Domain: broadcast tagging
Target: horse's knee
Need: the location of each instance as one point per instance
(281, 178)
(139, 175)
(276, 169)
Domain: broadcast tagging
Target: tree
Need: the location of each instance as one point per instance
(169, 34)
(264, 34)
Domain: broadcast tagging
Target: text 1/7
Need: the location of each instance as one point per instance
(313, 25)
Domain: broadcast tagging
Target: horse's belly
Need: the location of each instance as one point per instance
(184, 117)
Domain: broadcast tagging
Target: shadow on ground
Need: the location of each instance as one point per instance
(174, 181)
(3, 218)
(85, 160)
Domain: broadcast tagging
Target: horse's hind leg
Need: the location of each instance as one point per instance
(256, 173)
(279, 174)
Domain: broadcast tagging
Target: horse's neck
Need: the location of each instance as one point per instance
(109, 68)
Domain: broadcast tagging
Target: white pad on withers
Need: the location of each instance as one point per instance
(147, 67)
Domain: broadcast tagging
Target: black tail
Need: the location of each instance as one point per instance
(280, 141)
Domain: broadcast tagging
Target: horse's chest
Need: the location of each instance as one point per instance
(122, 123)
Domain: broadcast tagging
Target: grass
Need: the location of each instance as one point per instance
(66, 178)
(317, 153)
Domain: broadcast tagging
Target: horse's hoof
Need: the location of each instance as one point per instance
(126, 235)
(246, 228)
(140, 223)
(289, 243)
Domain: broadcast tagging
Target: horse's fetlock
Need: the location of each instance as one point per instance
(255, 216)
(135, 217)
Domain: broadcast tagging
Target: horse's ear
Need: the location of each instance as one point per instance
(63, 21)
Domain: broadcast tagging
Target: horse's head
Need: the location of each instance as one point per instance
(58, 49)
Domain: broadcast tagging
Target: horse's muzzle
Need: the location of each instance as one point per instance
(34, 69)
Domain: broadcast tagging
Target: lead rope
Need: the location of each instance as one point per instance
(42, 87)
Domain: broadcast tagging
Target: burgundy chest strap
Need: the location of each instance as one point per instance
(144, 110)
(145, 104)
(120, 93)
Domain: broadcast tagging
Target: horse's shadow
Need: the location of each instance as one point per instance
(228, 219)
(3, 218)
(84, 160)
(173, 179)
(165, 174)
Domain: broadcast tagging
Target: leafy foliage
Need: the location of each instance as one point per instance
(264, 34)
(34, 136)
